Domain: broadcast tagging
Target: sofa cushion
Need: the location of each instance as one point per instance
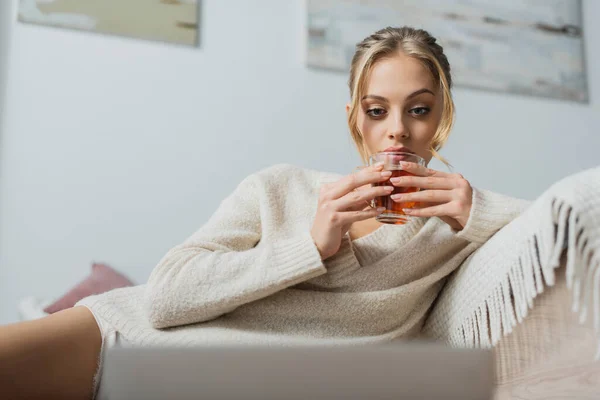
(101, 279)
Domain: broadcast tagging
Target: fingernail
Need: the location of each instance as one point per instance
(404, 164)
(386, 174)
(407, 210)
(380, 209)
(396, 196)
(395, 180)
(389, 188)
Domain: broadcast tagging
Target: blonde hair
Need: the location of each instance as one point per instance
(415, 43)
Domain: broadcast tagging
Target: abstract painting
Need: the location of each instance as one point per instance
(532, 47)
(174, 21)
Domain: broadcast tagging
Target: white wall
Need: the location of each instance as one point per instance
(5, 25)
(116, 149)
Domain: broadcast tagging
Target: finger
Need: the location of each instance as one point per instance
(361, 207)
(369, 175)
(433, 211)
(364, 187)
(429, 182)
(427, 196)
(421, 170)
(358, 197)
(350, 217)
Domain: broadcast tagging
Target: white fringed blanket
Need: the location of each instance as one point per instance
(494, 288)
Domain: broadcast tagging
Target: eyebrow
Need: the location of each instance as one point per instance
(413, 94)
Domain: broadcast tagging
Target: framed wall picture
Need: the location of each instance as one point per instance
(174, 21)
(532, 47)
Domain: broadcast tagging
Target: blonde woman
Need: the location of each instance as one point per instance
(293, 255)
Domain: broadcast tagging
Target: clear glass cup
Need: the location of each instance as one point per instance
(393, 213)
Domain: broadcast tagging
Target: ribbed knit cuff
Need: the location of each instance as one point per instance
(296, 260)
(489, 213)
(344, 258)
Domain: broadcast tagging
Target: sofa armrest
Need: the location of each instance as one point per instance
(550, 354)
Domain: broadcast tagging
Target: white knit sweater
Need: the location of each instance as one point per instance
(252, 273)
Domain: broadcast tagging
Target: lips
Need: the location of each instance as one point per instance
(399, 150)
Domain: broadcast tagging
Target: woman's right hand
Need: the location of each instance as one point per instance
(344, 202)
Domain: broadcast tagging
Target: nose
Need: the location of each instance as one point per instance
(398, 130)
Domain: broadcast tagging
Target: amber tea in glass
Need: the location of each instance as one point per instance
(393, 213)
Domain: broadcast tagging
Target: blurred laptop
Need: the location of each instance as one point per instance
(399, 371)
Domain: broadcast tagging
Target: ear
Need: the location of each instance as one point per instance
(348, 109)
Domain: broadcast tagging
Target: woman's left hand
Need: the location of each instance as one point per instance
(444, 195)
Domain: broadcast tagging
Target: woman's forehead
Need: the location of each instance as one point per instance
(399, 74)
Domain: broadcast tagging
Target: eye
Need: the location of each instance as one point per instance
(375, 112)
(419, 111)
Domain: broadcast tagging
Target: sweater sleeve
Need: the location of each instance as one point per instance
(490, 212)
(225, 265)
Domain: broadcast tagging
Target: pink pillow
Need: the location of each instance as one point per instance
(102, 279)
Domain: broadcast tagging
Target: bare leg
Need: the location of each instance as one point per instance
(50, 358)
